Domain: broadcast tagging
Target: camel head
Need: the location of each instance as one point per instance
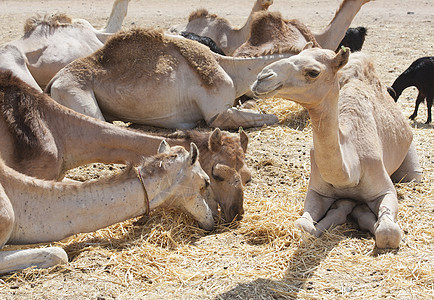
(180, 181)
(228, 172)
(305, 78)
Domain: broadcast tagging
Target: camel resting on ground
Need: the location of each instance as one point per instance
(271, 33)
(218, 29)
(38, 211)
(146, 77)
(43, 139)
(360, 138)
(51, 42)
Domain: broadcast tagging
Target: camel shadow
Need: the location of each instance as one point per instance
(301, 267)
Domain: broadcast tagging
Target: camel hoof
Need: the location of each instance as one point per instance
(306, 224)
(387, 234)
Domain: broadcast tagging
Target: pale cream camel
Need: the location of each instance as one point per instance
(43, 139)
(360, 138)
(145, 77)
(51, 42)
(37, 211)
(271, 33)
(220, 30)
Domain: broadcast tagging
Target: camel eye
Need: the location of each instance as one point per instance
(312, 73)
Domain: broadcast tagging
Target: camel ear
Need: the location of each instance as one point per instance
(194, 153)
(307, 46)
(341, 58)
(164, 147)
(244, 140)
(215, 140)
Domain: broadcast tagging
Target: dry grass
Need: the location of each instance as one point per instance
(166, 256)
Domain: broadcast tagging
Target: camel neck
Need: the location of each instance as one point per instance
(243, 71)
(328, 141)
(119, 11)
(335, 31)
(48, 211)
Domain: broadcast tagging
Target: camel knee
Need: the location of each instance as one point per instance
(387, 232)
(7, 220)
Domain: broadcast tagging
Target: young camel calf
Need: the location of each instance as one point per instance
(39, 211)
(360, 138)
(44, 139)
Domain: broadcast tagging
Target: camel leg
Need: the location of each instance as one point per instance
(315, 207)
(386, 230)
(364, 217)
(79, 99)
(410, 168)
(16, 260)
(234, 118)
(336, 215)
(20, 259)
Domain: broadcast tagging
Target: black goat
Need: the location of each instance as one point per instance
(203, 40)
(421, 75)
(354, 39)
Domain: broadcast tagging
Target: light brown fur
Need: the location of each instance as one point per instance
(360, 139)
(44, 139)
(53, 21)
(271, 33)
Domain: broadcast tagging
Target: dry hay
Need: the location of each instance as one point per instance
(155, 256)
(166, 256)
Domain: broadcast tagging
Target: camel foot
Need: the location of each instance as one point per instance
(305, 223)
(387, 233)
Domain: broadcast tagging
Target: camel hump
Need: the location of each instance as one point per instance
(201, 13)
(19, 108)
(153, 52)
(54, 20)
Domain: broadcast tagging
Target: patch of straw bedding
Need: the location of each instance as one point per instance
(263, 256)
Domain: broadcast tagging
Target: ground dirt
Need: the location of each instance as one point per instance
(165, 256)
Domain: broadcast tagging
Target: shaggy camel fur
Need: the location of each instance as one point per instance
(51, 42)
(145, 77)
(218, 29)
(360, 138)
(37, 211)
(270, 33)
(44, 139)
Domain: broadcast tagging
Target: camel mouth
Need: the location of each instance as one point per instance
(269, 91)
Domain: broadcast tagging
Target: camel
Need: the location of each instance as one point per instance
(271, 33)
(360, 138)
(38, 211)
(51, 42)
(146, 77)
(44, 139)
(219, 29)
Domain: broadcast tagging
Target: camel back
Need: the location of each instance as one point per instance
(272, 29)
(359, 79)
(55, 20)
(20, 109)
(149, 53)
(203, 13)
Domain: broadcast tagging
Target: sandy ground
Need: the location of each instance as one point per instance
(263, 257)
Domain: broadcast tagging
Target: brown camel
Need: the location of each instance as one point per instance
(271, 33)
(360, 138)
(44, 139)
(219, 29)
(146, 77)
